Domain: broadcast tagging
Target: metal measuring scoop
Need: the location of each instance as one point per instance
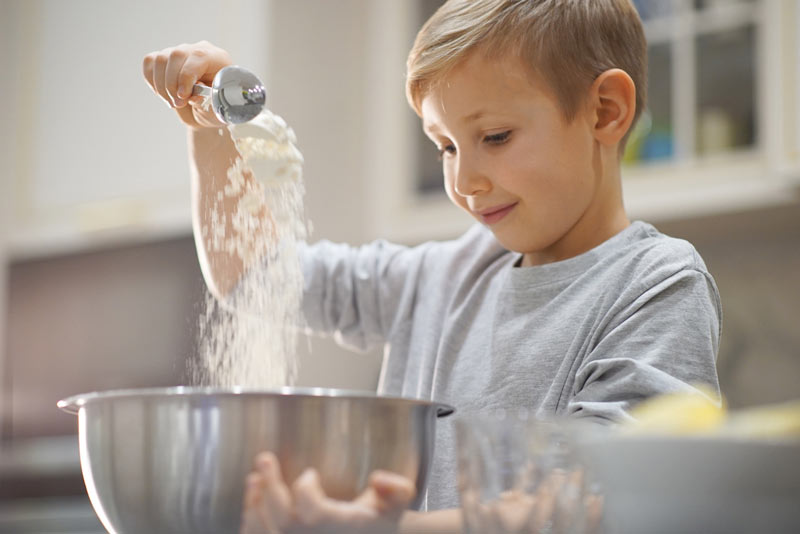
(237, 95)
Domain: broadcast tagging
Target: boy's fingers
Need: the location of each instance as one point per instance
(175, 62)
(186, 81)
(267, 503)
(276, 499)
(267, 464)
(395, 492)
(546, 496)
(203, 62)
(254, 520)
(252, 490)
(148, 64)
(309, 498)
(375, 511)
(313, 508)
(149, 69)
(172, 73)
(196, 67)
(159, 76)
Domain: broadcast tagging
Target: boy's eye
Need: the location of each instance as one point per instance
(498, 138)
(450, 149)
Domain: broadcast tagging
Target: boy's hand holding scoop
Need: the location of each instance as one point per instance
(172, 73)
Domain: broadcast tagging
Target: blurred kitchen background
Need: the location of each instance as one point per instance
(99, 282)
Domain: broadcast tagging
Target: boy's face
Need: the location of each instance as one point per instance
(513, 162)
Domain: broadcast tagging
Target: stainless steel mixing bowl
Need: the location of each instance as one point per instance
(174, 461)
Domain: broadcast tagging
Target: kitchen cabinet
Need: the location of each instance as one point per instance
(721, 129)
(721, 132)
(94, 158)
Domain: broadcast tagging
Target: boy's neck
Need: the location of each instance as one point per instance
(583, 242)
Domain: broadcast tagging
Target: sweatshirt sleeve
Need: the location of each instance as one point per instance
(357, 294)
(664, 339)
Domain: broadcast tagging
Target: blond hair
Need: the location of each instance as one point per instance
(567, 43)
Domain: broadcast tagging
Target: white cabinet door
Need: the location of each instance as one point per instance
(96, 156)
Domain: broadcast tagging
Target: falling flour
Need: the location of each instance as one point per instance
(250, 338)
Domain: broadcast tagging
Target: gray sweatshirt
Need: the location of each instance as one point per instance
(589, 336)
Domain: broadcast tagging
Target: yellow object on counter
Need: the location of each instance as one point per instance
(771, 421)
(682, 414)
(678, 414)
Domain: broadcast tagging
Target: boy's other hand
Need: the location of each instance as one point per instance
(172, 72)
(272, 507)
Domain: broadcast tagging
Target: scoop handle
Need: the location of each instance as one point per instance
(202, 90)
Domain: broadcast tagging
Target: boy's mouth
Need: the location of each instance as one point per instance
(496, 213)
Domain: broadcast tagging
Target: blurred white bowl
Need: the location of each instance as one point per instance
(708, 485)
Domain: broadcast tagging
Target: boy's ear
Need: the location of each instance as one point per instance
(613, 105)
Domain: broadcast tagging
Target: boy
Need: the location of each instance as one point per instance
(555, 302)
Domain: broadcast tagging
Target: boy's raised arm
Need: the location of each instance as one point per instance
(210, 157)
(172, 73)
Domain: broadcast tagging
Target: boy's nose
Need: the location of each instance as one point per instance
(469, 180)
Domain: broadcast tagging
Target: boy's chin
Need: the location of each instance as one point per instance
(504, 240)
(515, 244)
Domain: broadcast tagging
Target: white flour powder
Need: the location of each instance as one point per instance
(251, 340)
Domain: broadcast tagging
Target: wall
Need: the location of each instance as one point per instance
(98, 159)
(7, 37)
(755, 258)
(316, 83)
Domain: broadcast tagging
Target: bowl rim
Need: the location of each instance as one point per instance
(74, 403)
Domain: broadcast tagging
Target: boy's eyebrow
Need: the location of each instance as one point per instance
(474, 116)
(432, 128)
